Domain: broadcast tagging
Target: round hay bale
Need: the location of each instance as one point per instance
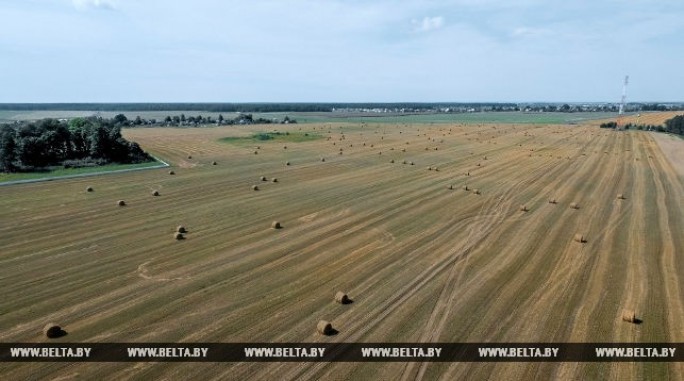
(287, 163)
(276, 225)
(429, 168)
(178, 236)
(436, 169)
(189, 156)
(181, 229)
(523, 208)
(580, 238)
(263, 178)
(341, 298)
(256, 152)
(476, 191)
(403, 162)
(324, 328)
(214, 163)
(574, 205)
(52, 330)
(89, 189)
(552, 201)
(620, 196)
(255, 187)
(275, 180)
(121, 203)
(155, 193)
(284, 147)
(465, 188)
(629, 316)
(411, 163)
(451, 187)
(323, 159)
(172, 173)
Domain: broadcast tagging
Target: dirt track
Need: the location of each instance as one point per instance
(422, 262)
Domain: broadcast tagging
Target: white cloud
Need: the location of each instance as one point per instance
(428, 24)
(100, 4)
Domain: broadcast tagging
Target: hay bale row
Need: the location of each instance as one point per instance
(629, 316)
(342, 298)
(580, 238)
(53, 330)
(324, 328)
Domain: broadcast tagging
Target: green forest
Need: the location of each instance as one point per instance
(80, 142)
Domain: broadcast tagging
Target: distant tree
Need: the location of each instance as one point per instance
(565, 108)
(121, 119)
(8, 149)
(138, 120)
(220, 119)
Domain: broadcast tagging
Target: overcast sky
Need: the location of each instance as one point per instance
(340, 50)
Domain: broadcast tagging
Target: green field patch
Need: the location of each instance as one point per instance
(61, 172)
(277, 136)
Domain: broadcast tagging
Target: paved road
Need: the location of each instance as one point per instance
(164, 164)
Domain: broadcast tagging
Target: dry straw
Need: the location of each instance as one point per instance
(342, 298)
(324, 328)
(629, 316)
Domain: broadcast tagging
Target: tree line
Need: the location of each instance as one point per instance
(344, 106)
(674, 126)
(80, 142)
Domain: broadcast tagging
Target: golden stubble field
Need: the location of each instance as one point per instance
(422, 262)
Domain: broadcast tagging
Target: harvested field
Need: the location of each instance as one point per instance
(421, 263)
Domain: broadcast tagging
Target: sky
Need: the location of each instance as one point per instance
(341, 50)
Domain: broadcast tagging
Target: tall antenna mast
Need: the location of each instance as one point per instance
(621, 111)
